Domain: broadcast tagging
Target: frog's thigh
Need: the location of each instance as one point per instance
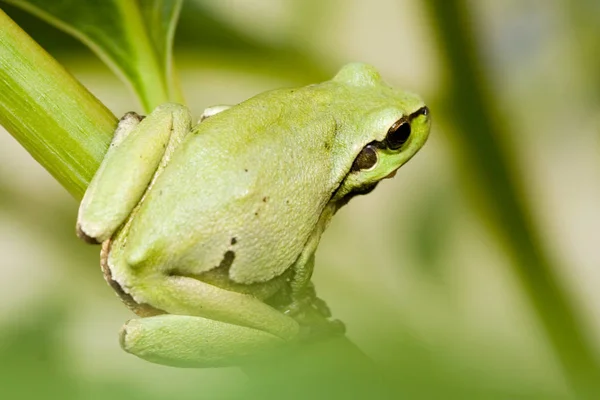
(188, 296)
(186, 341)
(138, 152)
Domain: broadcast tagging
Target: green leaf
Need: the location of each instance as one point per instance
(133, 37)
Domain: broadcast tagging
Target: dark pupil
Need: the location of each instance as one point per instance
(365, 159)
(398, 135)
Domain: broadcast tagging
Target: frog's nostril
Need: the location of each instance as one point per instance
(424, 111)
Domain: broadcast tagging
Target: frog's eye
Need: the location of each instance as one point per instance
(397, 135)
(366, 159)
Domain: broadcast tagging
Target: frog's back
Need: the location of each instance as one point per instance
(245, 195)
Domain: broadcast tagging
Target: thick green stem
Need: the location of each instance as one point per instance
(479, 136)
(60, 123)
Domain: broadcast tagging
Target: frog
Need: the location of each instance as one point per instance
(208, 230)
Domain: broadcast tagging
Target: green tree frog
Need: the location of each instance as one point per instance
(209, 231)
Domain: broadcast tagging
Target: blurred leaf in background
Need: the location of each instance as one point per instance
(133, 38)
(425, 275)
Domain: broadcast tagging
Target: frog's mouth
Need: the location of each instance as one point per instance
(391, 174)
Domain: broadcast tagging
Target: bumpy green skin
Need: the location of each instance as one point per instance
(245, 196)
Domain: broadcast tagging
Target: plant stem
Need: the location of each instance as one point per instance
(60, 123)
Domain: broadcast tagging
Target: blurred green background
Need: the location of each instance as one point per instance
(441, 274)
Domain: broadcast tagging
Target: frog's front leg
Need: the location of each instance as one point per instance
(312, 312)
(304, 265)
(138, 153)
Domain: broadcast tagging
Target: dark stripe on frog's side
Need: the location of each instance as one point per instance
(219, 277)
(143, 310)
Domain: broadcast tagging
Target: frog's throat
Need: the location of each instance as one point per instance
(143, 310)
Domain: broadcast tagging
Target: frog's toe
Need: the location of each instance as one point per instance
(322, 307)
(84, 236)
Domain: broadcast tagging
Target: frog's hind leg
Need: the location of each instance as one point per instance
(139, 151)
(183, 295)
(205, 325)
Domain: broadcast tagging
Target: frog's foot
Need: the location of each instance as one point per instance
(300, 306)
(314, 316)
(314, 326)
(305, 299)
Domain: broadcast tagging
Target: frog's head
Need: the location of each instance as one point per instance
(384, 130)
